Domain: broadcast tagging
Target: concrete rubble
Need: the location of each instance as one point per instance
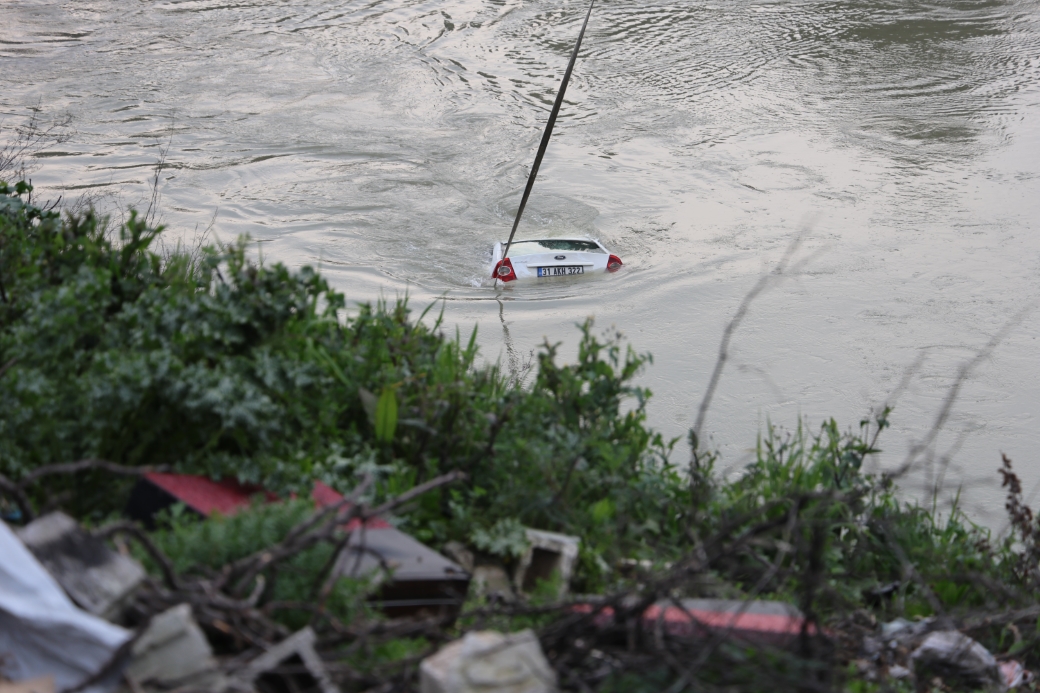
(173, 651)
(97, 578)
(547, 553)
(299, 646)
(488, 662)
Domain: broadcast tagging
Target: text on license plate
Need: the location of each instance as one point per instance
(560, 271)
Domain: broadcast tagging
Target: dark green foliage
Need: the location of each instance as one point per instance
(870, 538)
(229, 368)
(223, 366)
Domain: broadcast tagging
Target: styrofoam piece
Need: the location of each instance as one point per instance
(97, 578)
(488, 662)
(43, 633)
(547, 553)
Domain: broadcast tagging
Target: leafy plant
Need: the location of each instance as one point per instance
(213, 364)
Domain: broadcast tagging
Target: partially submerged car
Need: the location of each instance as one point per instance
(552, 257)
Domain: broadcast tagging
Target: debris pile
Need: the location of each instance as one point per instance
(75, 614)
(79, 612)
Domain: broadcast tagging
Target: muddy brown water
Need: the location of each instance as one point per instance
(389, 141)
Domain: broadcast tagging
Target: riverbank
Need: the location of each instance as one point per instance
(212, 364)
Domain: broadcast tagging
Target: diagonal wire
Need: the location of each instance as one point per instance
(548, 131)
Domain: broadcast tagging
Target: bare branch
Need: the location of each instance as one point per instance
(136, 532)
(727, 335)
(84, 465)
(955, 389)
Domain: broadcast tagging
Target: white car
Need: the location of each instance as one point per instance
(552, 257)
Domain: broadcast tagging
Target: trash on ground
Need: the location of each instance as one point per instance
(1015, 674)
(958, 660)
(902, 630)
(158, 491)
(898, 672)
(42, 633)
(297, 649)
(547, 554)
(173, 651)
(97, 578)
(488, 662)
(416, 579)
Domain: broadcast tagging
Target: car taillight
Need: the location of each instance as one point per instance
(614, 263)
(504, 271)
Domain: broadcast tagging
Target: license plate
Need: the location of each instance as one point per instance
(560, 271)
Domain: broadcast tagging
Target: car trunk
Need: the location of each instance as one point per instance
(561, 259)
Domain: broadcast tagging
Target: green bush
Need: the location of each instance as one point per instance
(230, 368)
(219, 365)
(871, 537)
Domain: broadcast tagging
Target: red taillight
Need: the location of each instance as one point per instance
(614, 263)
(504, 271)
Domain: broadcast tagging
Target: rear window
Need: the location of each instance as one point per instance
(552, 245)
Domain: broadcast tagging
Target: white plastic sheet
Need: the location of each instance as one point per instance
(42, 632)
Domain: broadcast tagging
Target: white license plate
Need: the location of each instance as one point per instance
(560, 271)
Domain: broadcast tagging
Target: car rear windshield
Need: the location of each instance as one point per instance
(552, 245)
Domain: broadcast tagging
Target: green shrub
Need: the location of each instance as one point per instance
(225, 367)
(219, 365)
(872, 538)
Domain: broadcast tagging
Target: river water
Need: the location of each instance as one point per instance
(389, 141)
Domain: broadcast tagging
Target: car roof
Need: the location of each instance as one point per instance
(558, 238)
